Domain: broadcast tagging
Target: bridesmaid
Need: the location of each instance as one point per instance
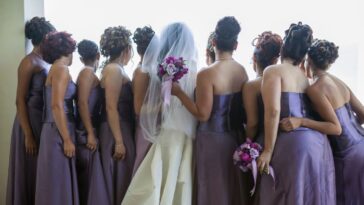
(301, 159)
(342, 115)
(116, 135)
(218, 108)
(25, 138)
(142, 37)
(88, 101)
(56, 172)
(267, 49)
(210, 53)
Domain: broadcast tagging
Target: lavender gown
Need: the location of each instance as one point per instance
(22, 167)
(56, 173)
(302, 161)
(141, 145)
(218, 179)
(109, 184)
(348, 149)
(84, 156)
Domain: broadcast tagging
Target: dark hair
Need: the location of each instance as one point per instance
(210, 47)
(296, 42)
(267, 48)
(114, 41)
(56, 45)
(226, 33)
(323, 53)
(175, 34)
(142, 37)
(88, 50)
(37, 28)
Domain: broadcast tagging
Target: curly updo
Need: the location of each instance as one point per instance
(226, 33)
(210, 47)
(267, 48)
(37, 28)
(56, 45)
(88, 50)
(142, 37)
(323, 53)
(296, 42)
(114, 41)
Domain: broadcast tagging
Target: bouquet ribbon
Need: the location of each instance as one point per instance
(166, 90)
(255, 174)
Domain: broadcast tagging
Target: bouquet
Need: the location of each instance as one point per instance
(245, 158)
(171, 70)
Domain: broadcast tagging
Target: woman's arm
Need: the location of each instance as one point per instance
(204, 97)
(85, 83)
(330, 125)
(251, 110)
(112, 81)
(271, 92)
(25, 73)
(59, 83)
(140, 86)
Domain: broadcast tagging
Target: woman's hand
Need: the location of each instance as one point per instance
(176, 89)
(91, 142)
(119, 151)
(69, 148)
(264, 161)
(30, 145)
(290, 123)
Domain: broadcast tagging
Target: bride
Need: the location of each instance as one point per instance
(165, 175)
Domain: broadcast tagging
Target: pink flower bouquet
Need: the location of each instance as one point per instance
(170, 70)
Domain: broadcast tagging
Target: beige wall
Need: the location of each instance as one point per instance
(13, 14)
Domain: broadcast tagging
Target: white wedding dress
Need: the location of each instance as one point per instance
(165, 177)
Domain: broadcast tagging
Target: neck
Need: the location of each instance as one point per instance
(223, 55)
(318, 73)
(91, 65)
(118, 61)
(36, 51)
(141, 59)
(62, 61)
(288, 61)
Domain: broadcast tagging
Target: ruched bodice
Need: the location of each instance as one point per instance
(94, 106)
(352, 132)
(125, 104)
(226, 114)
(68, 102)
(35, 94)
(295, 105)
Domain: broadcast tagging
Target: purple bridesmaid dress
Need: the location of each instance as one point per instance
(111, 180)
(56, 173)
(142, 145)
(23, 167)
(302, 161)
(348, 149)
(219, 181)
(84, 156)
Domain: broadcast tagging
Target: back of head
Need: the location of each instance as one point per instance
(114, 41)
(177, 40)
(37, 28)
(210, 47)
(323, 53)
(296, 42)
(226, 33)
(56, 45)
(142, 37)
(88, 50)
(267, 48)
